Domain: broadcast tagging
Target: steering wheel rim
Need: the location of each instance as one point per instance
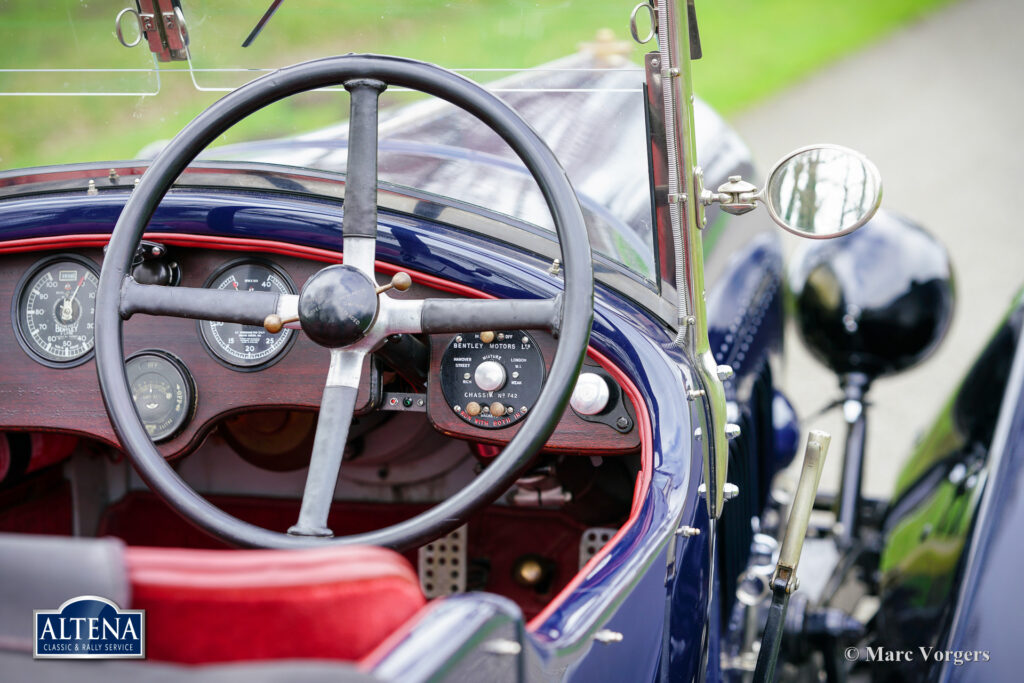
(573, 327)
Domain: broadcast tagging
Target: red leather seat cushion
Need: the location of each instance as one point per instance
(223, 605)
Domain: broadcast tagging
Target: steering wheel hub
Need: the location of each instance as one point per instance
(337, 306)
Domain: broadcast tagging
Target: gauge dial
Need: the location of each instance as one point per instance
(163, 391)
(55, 310)
(247, 347)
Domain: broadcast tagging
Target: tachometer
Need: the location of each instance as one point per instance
(55, 308)
(247, 347)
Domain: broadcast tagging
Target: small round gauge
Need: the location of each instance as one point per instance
(55, 309)
(247, 347)
(163, 391)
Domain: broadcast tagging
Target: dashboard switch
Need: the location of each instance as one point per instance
(490, 375)
(591, 394)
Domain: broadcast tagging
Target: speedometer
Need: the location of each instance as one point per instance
(247, 347)
(55, 308)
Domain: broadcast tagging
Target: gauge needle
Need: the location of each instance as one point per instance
(65, 310)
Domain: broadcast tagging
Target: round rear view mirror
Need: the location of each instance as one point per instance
(823, 191)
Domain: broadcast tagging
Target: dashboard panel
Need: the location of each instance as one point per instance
(611, 432)
(199, 373)
(34, 396)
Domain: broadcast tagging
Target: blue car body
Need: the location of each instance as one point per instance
(653, 587)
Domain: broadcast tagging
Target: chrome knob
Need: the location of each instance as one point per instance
(724, 372)
(489, 375)
(591, 394)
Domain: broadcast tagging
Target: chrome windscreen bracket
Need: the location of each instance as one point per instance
(161, 23)
(678, 213)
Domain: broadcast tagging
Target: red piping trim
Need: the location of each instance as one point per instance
(643, 422)
(100, 240)
(325, 255)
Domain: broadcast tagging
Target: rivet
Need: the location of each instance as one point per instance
(606, 635)
(502, 646)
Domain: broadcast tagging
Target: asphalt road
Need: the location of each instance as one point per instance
(938, 107)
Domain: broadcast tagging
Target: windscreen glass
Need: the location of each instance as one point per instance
(84, 81)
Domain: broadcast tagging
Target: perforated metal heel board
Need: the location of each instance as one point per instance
(442, 565)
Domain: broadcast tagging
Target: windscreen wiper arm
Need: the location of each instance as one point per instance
(262, 22)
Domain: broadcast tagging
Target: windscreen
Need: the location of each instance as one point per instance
(93, 80)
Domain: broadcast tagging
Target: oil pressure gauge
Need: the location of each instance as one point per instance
(163, 391)
(247, 347)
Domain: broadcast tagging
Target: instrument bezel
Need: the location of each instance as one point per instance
(218, 275)
(17, 310)
(189, 382)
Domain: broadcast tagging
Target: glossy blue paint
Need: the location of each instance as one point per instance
(690, 627)
(253, 214)
(631, 589)
(787, 432)
(944, 507)
(987, 615)
(745, 300)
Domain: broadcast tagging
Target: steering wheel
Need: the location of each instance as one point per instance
(340, 308)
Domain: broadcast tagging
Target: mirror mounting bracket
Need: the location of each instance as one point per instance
(737, 196)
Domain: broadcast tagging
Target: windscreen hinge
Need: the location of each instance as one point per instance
(161, 23)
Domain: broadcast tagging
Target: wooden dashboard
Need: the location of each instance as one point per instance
(35, 397)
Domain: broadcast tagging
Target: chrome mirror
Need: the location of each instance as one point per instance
(819, 192)
(823, 191)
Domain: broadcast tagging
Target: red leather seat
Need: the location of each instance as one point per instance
(219, 605)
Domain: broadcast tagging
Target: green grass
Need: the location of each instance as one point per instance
(752, 49)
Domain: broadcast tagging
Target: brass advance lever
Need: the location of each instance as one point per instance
(400, 281)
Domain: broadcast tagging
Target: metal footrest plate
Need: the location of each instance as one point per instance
(592, 540)
(442, 565)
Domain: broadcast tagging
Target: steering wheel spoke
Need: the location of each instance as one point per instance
(359, 222)
(336, 409)
(248, 308)
(440, 316)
